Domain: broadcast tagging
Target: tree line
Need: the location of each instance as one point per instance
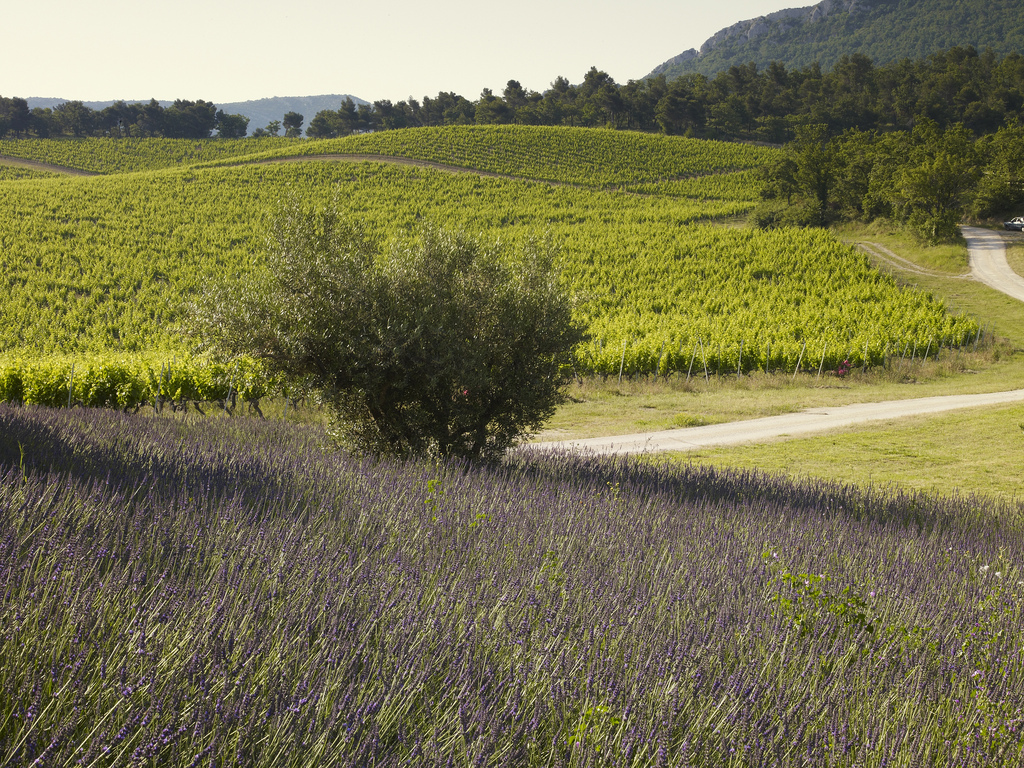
(959, 86)
(929, 178)
(182, 120)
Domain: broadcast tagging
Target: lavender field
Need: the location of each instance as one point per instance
(233, 592)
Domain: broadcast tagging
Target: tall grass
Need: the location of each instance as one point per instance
(224, 592)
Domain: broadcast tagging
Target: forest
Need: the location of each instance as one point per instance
(980, 90)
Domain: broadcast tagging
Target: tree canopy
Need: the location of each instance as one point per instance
(927, 178)
(441, 345)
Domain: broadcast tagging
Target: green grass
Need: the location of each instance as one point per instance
(951, 257)
(1015, 254)
(601, 408)
(978, 450)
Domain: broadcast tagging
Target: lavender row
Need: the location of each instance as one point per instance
(233, 592)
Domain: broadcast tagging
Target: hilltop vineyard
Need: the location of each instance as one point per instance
(565, 155)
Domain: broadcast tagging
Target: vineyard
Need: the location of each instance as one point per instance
(591, 158)
(97, 273)
(107, 156)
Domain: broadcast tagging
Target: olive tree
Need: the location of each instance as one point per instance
(439, 345)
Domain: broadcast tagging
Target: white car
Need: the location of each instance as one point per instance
(1016, 224)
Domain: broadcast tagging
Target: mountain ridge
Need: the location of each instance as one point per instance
(883, 30)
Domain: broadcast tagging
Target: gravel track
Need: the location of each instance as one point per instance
(987, 254)
(770, 428)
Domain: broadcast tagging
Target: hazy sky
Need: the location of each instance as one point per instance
(230, 50)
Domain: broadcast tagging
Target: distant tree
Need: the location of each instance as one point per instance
(189, 120)
(491, 110)
(42, 122)
(151, 119)
(680, 109)
(1000, 189)
(324, 125)
(348, 118)
(231, 126)
(73, 118)
(593, 81)
(18, 115)
(443, 346)
(292, 125)
(558, 104)
(388, 116)
(448, 109)
(117, 119)
(937, 181)
(273, 127)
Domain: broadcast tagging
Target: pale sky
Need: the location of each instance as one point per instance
(236, 50)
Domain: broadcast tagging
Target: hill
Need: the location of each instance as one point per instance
(883, 30)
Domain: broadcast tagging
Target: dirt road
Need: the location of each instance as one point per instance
(35, 165)
(774, 427)
(987, 254)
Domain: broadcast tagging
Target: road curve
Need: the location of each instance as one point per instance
(986, 252)
(36, 165)
(771, 427)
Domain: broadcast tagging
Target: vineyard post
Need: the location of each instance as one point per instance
(622, 363)
(799, 360)
(822, 365)
(914, 353)
(692, 357)
(232, 392)
(71, 384)
(927, 350)
(976, 337)
(739, 363)
(704, 357)
(657, 368)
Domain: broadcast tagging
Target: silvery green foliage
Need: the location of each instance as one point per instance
(442, 345)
